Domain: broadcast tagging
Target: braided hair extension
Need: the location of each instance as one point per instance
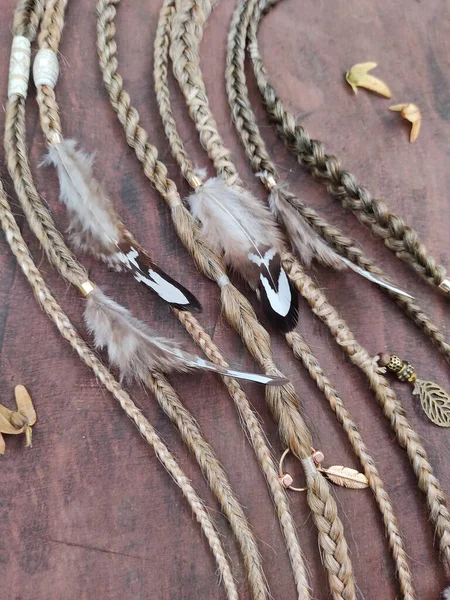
(42, 224)
(261, 164)
(248, 130)
(384, 393)
(282, 401)
(185, 422)
(372, 212)
(26, 22)
(303, 351)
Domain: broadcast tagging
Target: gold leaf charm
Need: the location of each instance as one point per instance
(411, 113)
(358, 76)
(435, 402)
(346, 477)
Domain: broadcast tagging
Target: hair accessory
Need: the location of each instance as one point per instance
(19, 67)
(233, 220)
(306, 241)
(434, 400)
(96, 228)
(337, 474)
(18, 421)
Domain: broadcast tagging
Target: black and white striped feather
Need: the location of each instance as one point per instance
(96, 228)
(135, 350)
(240, 226)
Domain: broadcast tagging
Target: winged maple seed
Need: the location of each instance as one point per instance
(358, 76)
(410, 112)
(16, 422)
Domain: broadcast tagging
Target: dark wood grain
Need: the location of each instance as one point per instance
(88, 512)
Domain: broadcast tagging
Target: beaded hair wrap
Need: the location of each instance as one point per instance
(283, 401)
(385, 395)
(403, 241)
(166, 396)
(26, 22)
(247, 16)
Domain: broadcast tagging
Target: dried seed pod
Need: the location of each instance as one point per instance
(410, 112)
(358, 76)
(25, 404)
(18, 421)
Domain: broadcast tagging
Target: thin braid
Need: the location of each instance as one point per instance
(186, 33)
(165, 394)
(255, 148)
(372, 212)
(160, 71)
(67, 330)
(282, 401)
(247, 127)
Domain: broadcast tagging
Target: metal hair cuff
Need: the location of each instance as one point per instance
(87, 288)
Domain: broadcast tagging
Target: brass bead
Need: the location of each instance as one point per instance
(395, 363)
(384, 359)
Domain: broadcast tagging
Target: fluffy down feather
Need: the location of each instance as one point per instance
(308, 243)
(446, 594)
(240, 226)
(135, 349)
(94, 224)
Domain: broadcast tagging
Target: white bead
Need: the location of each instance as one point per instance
(445, 285)
(19, 67)
(45, 68)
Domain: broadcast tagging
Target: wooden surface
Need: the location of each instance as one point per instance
(88, 512)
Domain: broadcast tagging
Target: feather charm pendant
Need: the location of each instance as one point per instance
(345, 477)
(96, 228)
(240, 226)
(434, 400)
(136, 350)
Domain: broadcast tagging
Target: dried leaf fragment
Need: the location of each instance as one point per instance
(346, 477)
(25, 404)
(18, 421)
(358, 76)
(410, 112)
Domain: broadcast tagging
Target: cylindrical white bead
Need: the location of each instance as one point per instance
(45, 68)
(19, 67)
